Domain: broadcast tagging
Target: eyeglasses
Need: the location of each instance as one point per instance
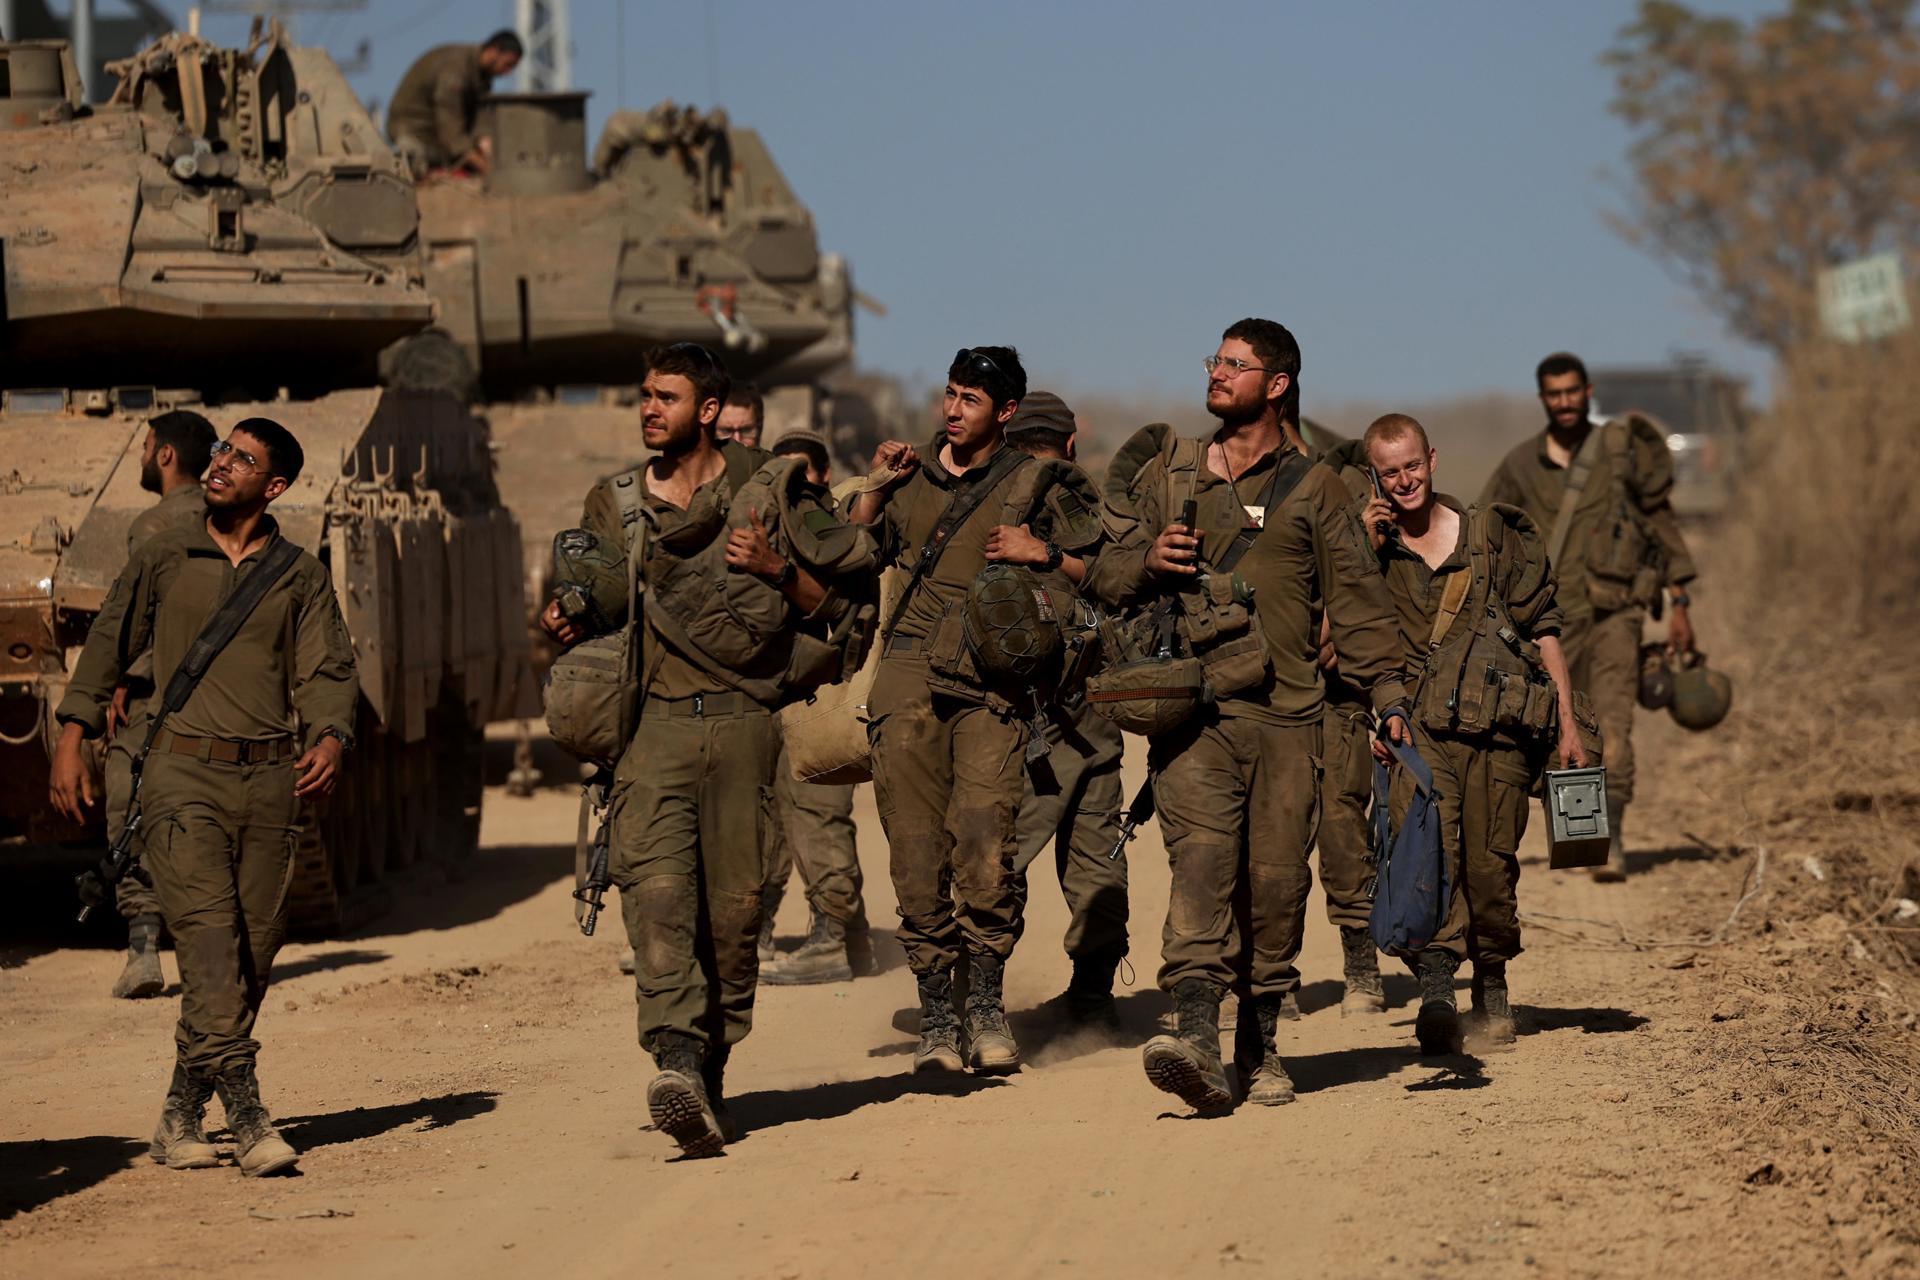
(242, 462)
(1234, 367)
(978, 360)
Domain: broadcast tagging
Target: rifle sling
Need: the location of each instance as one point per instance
(1578, 472)
(962, 505)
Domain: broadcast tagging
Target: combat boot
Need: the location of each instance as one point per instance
(180, 1142)
(763, 946)
(677, 1097)
(1491, 1011)
(821, 958)
(1365, 992)
(990, 1047)
(713, 1074)
(1256, 1057)
(1090, 992)
(1437, 1026)
(626, 960)
(1614, 869)
(939, 1048)
(861, 961)
(1187, 1063)
(142, 977)
(257, 1146)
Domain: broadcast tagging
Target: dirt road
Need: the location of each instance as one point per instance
(463, 1082)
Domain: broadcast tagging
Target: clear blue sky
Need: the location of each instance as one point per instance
(1417, 190)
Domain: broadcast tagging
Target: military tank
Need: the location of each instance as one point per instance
(229, 233)
(554, 276)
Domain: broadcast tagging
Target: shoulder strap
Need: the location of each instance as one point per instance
(219, 629)
(1454, 596)
(1578, 473)
(1286, 477)
(959, 507)
(627, 492)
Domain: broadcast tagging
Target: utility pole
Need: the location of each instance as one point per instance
(82, 22)
(543, 28)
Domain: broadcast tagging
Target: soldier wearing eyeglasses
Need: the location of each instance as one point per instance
(264, 729)
(1237, 785)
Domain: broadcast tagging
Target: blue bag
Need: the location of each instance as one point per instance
(1410, 889)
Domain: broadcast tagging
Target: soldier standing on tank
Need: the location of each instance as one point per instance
(437, 106)
(1079, 817)
(222, 787)
(1424, 541)
(690, 794)
(1615, 546)
(178, 446)
(1237, 786)
(813, 830)
(948, 749)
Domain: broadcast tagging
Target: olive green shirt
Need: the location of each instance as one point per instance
(1310, 549)
(291, 658)
(438, 101)
(1068, 517)
(1521, 578)
(1527, 478)
(186, 505)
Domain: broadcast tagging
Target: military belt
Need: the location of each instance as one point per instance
(225, 750)
(702, 706)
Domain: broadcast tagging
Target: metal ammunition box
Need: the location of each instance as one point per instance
(1577, 830)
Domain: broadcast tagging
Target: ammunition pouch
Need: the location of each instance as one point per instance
(593, 696)
(1216, 621)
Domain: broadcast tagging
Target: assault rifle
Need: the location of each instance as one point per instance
(593, 871)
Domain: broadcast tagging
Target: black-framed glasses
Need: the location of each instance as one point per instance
(242, 461)
(979, 361)
(1233, 367)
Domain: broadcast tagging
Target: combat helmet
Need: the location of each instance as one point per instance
(1656, 678)
(1701, 697)
(1013, 622)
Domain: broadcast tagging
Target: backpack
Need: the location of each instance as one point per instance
(1411, 890)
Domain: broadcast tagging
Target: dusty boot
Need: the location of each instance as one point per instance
(861, 961)
(939, 1048)
(821, 958)
(1256, 1057)
(1090, 992)
(179, 1142)
(257, 1146)
(1437, 1026)
(142, 977)
(677, 1097)
(1187, 1063)
(1615, 868)
(713, 1074)
(1289, 1010)
(990, 1047)
(1365, 992)
(626, 960)
(765, 946)
(1490, 1009)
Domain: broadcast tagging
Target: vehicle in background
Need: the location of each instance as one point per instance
(1702, 412)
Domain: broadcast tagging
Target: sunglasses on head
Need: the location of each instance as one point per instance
(977, 360)
(696, 350)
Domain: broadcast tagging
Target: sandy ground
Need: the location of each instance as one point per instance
(463, 1082)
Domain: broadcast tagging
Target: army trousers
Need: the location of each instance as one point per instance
(1239, 801)
(1079, 818)
(219, 844)
(947, 778)
(812, 829)
(1603, 658)
(133, 896)
(687, 847)
(1345, 843)
(1482, 793)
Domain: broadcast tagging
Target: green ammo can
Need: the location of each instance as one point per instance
(1577, 830)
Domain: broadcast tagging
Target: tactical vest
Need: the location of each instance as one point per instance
(1480, 676)
(1625, 563)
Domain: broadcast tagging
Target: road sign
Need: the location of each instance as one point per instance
(1864, 299)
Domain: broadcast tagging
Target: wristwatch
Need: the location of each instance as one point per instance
(341, 736)
(1678, 596)
(1054, 556)
(788, 572)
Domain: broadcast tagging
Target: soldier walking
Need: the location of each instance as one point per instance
(949, 740)
(1237, 785)
(178, 447)
(1603, 494)
(1488, 708)
(693, 787)
(222, 786)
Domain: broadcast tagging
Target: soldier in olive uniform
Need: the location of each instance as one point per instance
(178, 446)
(1482, 771)
(1237, 786)
(222, 788)
(1078, 816)
(434, 111)
(947, 746)
(692, 791)
(813, 830)
(1615, 546)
